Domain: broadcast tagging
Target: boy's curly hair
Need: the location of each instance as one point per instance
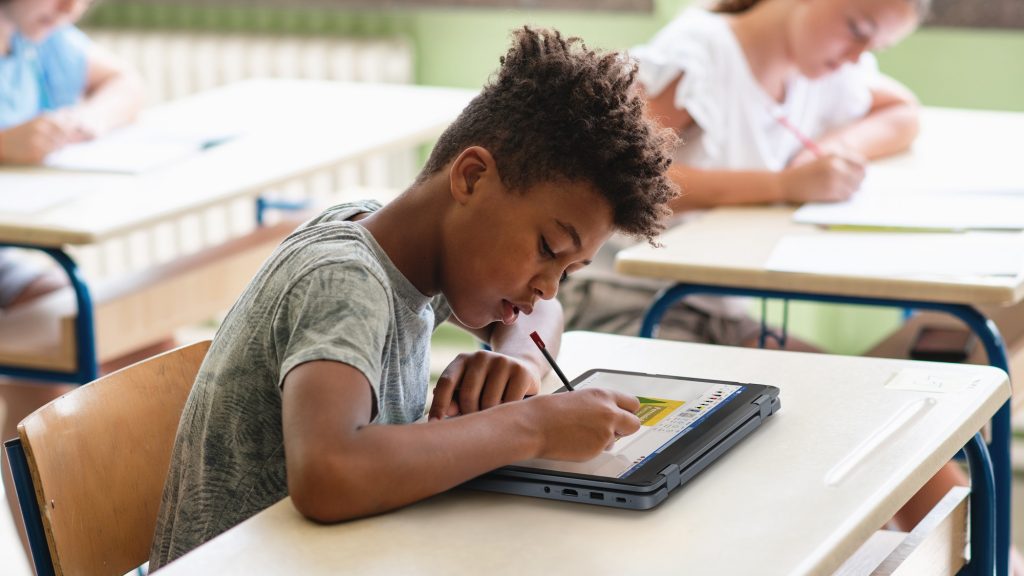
(556, 110)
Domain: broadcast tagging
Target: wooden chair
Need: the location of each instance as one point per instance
(94, 461)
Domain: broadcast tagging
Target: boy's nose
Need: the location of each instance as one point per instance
(545, 287)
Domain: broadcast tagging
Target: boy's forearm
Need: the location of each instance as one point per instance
(709, 188)
(381, 468)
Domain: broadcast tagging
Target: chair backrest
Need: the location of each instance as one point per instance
(98, 457)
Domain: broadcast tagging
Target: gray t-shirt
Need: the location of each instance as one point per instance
(329, 292)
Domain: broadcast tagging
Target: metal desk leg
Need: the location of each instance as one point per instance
(982, 522)
(999, 446)
(85, 339)
(987, 332)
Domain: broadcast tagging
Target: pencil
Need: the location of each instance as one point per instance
(551, 361)
(803, 138)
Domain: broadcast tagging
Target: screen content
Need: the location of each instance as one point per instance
(669, 408)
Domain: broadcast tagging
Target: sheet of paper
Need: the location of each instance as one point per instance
(901, 255)
(27, 194)
(937, 211)
(135, 149)
(892, 179)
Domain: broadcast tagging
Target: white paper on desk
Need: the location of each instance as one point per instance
(135, 149)
(935, 211)
(886, 180)
(25, 194)
(900, 255)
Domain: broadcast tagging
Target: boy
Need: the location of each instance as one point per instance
(327, 347)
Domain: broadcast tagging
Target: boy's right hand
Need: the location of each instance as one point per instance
(831, 178)
(577, 426)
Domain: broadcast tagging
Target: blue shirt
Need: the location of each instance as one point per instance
(35, 78)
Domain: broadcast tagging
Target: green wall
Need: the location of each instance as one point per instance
(460, 47)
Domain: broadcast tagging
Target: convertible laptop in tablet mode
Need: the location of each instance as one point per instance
(686, 424)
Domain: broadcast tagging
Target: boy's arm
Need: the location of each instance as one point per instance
(481, 380)
(339, 466)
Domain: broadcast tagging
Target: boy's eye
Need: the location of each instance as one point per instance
(565, 276)
(545, 249)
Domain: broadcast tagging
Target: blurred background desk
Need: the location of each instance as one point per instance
(185, 235)
(725, 252)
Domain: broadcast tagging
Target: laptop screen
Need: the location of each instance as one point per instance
(669, 408)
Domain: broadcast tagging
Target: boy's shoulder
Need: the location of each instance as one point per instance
(331, 241)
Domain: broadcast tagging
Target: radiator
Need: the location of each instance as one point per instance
(176, 64)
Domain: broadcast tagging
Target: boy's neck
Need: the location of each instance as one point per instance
(760, 32)
(410, 228)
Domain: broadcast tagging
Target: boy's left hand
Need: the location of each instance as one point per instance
(481, 380)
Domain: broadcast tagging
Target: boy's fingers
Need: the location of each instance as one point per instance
(470, 386)
(517, 387)
(498, 380)
(444, 390)
(627, 402)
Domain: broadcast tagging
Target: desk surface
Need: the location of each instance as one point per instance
(798, 497)
(289, 128)
(730, 246)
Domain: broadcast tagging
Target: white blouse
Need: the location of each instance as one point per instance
(736, 120)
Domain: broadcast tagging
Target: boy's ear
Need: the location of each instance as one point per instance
(469, 168)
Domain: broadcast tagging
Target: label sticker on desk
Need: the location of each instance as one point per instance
(929, 381)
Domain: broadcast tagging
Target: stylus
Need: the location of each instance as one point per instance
(547, 356)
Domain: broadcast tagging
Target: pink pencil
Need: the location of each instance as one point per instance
(803, 138)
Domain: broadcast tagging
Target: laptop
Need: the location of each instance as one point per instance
(686, 424)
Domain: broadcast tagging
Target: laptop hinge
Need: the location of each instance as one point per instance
(764, 403)
(671, 474)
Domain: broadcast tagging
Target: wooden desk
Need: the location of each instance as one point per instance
(778, 503)
(725, 250)
(289, 130)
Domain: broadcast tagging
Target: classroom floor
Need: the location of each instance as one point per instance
(448, 342)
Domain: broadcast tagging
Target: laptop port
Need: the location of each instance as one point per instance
(597, 495)
(569, 492)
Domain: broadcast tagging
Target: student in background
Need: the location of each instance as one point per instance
(315, 378)
(55, 88)
(776, 101)
(747, 86)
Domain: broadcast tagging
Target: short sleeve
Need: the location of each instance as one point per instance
(63, 57)
(689, 45)
(442, 311)
(339, 312)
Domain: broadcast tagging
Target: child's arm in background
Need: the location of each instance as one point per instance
(113, 94)
(830, 178)
(889, 127)
(482, 379)
(339, 466)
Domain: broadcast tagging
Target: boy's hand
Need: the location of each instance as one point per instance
(578, 425)
(831, 178)
(481, 380)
